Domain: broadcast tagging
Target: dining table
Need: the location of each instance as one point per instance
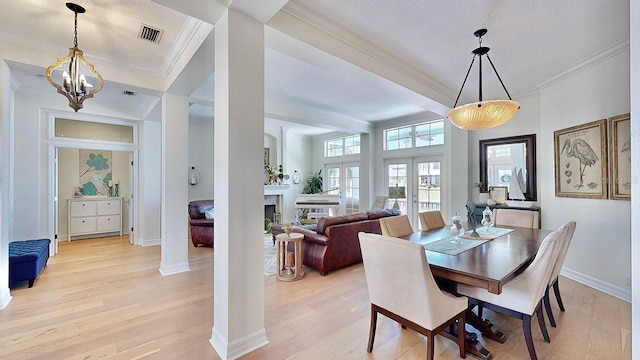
(492, 262)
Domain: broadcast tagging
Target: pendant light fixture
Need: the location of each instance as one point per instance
(482, 114)
(72, 82)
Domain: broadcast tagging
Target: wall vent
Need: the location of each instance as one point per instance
(128, 93)
(150, 34)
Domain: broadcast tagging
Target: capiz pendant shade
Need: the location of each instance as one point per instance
(483, 114)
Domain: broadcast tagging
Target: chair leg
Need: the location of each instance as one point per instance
(526, 327)
(372, 328)
(462, 342)
(430, 346)
(556, 290)
(547, 306)
(543, 326)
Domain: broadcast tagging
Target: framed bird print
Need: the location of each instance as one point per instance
(620, 157)
(581, 160)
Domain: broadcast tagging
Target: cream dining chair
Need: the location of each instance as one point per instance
(522, 296)
(394, 266)
(567, 229)
(396, 226)
(519, 218)
(431, 220)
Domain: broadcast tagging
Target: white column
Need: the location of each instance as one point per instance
(174, 256)
(238, 311)
(7, 99)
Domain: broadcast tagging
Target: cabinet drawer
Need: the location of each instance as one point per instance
(83, 208)
(108, 223)
(83, 225)
(107, 207)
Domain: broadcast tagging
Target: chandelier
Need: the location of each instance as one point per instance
(482, 114)
(72, 82)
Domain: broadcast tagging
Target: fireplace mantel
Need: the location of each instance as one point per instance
(276, 189)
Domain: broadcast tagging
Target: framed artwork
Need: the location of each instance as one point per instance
(266, 157)
(620, 157)
(581, 160)
(95, 172)
(498, 193)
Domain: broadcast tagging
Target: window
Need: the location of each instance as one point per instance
(419, 135)
(342, 146)
(352, 189)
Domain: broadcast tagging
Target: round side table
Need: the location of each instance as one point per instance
(289, 263)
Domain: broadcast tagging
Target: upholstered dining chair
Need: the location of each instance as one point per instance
(396, 226)
(519, 218)
(394, 266)
(567, 229)
(522, 296)
(431, 220)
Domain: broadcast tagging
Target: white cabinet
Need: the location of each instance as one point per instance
(88, 216)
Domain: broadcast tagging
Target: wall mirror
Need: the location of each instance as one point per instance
(499, 157)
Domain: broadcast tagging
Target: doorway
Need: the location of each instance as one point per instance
(415, 185)
(72, 193)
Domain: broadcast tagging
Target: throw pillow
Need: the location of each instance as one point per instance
(210, 214)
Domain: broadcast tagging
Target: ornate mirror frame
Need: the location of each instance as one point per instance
(529, 142)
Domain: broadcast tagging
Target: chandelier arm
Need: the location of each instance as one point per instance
(499, 78)
(465, 80)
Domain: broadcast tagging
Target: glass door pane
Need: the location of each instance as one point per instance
(428, 186)
(352, 189)
(398, 177)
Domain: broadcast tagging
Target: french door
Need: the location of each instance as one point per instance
(415, 184)
(344, 179)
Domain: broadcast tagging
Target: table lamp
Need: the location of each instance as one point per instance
(397, 192)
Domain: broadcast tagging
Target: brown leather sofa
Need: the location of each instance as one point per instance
(334, 244)
(201, 227)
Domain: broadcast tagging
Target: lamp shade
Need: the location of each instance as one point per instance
(483, 114)
(397, 192)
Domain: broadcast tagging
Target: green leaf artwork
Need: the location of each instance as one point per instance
(95, 172)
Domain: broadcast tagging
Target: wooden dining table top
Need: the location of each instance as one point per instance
(490, 265)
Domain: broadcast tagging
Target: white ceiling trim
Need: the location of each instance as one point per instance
(586, 63)
(333, 29)
(188, 34)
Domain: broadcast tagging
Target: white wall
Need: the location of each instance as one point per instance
(600, 250)
(201, 132)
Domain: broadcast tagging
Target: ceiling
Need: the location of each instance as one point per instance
(423, 48)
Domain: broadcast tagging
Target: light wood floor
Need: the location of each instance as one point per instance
(105, 299)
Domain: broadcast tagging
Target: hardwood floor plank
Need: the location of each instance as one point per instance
(105, 299)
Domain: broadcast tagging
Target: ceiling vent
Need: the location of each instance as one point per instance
(150, 34)
(128, 93)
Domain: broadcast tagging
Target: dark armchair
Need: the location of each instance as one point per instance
(201, 227)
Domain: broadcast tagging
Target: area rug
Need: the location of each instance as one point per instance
(453, 245)
(270, 263)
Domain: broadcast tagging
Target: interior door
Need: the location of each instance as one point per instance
(56, 201)
(129, 199)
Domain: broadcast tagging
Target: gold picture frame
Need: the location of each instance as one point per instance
(266, 157)
(499, 194)
(580, 160)
(620, 157)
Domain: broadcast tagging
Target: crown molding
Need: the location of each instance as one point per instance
(335, 30)
(597, 58)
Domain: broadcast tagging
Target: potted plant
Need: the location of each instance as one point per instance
(312, 186)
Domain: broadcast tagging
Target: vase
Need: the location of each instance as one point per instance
(483, 197)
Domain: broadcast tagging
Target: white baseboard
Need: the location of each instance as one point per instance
(605, 287)
(173, 269)
(240, 347)
(150, 242)
(5, 298)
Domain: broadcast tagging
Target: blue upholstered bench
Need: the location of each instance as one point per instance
(27, 259)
